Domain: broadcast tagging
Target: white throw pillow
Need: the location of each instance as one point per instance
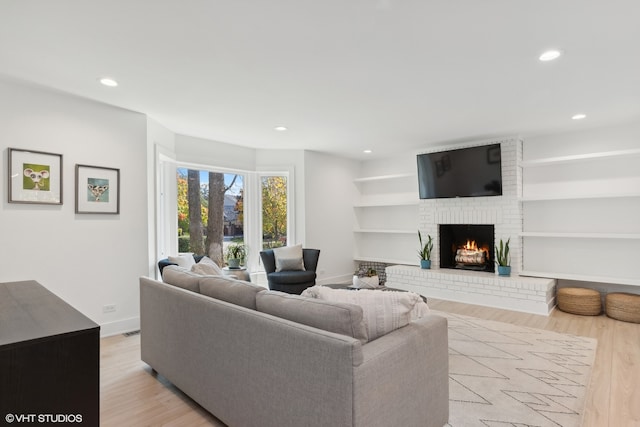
(183, 260)
(384, 311)
(206, 266)
(289, 258)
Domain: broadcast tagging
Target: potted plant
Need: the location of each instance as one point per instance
(425, 251)
(503, 259)
(235, 255)
(366, 278)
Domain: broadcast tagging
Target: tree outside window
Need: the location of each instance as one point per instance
(217, 200)
(274, 211)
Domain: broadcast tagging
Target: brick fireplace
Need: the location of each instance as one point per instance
(502, 215)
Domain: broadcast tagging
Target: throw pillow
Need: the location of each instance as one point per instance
(383, 311)
(289, 258)
(183, 260)
(344, 319)
(230, 290)
(206, 266)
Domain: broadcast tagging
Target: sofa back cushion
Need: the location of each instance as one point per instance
(181, 277)
(383, 311)
(231, 290)
(345, 319)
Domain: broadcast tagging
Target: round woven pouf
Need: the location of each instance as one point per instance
(586, 302)
(623, 306)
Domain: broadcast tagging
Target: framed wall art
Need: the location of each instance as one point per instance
(97, 190)
(35, 177)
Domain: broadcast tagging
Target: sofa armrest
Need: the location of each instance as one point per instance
(404, 377)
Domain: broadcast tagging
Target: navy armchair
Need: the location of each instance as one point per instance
(294, 281)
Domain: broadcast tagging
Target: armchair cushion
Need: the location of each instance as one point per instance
(292, 277)
(289, 258)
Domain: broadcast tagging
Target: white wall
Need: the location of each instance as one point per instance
(329, 214)
(200, 151)
(87, 260)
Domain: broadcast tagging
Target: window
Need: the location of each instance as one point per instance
(210, 212)
(275, 209)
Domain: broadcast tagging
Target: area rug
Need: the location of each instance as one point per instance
(506, 375)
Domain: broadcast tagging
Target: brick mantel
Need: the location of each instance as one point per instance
(527, 294)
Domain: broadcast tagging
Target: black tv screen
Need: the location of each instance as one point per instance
(465, 172)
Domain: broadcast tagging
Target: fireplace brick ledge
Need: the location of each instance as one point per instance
(525, 294)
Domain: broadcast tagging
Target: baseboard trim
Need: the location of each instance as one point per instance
(119, 327)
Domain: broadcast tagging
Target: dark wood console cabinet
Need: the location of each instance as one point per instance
(49, 359)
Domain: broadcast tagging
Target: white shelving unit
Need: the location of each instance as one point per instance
(386, 215)
(580, 217)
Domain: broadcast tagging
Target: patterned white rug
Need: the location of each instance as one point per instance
(506, 375)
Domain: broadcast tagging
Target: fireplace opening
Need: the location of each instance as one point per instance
(467, 247)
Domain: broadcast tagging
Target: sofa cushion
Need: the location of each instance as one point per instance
(206, 266)
(231, 290)
(181, 277)
(289, 258)
(183, 260)
(383, 311)
(345, 319)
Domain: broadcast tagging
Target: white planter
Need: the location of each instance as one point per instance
(366, 282)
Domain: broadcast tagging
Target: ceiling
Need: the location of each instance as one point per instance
(342, 75)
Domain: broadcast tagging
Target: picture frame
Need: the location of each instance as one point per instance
(97, 190)
(34, 177)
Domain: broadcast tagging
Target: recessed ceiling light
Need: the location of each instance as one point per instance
(578, 116)
(107, 81)
(550, 55)
(280, 128)
(367, 151)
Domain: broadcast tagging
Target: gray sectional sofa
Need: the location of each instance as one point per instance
(215, 339)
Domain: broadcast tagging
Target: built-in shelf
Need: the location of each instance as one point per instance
(579, 157)
(579, 197)
(581, 235)
(389, 231)
(579, 215)
(582, 278)
(384, 177)
(386, 212)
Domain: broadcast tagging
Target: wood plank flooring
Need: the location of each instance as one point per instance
(133, 395)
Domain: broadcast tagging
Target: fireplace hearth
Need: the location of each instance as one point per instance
(467, 247)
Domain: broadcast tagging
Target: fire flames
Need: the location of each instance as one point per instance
(471, 245)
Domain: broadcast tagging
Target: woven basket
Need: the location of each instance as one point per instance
(586, 302)
(623, 306)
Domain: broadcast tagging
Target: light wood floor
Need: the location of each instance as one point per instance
(132, 395)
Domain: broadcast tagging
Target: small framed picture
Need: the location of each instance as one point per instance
(35, 177)
(97, 190)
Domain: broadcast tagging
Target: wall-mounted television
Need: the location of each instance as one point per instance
(465, 172)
